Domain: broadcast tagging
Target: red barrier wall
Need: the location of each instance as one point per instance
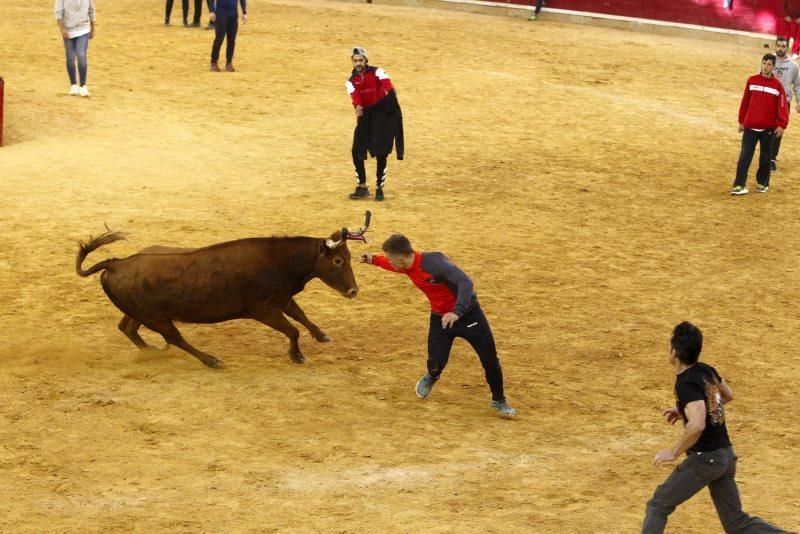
(2, 88)
(748, 15)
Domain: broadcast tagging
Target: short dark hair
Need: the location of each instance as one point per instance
(397, 244)
(687, 342)
(782, 39)
(770, 57)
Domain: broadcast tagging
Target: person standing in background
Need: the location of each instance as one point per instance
(225, 16)
(762, 116)
(184, 9)
(788, 73)
(76, 20)
(537, 10)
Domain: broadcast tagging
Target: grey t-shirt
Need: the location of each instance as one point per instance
(788, 73)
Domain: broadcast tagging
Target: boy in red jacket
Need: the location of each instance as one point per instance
(762, 116)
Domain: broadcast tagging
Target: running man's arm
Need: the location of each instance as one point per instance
(695, 424)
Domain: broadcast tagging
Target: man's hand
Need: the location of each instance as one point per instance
(212, 17)
(778, 131)
(366, 257)
(359, 111)
(665, 456)
(741, 128)
(244, 18)
(448, 319)
(64, 34)
(672, 415)
(788, 18)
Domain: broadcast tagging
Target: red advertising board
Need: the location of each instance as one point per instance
(758, 16)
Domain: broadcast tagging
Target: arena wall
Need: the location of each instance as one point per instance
(757, 16)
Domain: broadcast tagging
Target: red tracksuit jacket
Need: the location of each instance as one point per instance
(366, 89)
(763, 104)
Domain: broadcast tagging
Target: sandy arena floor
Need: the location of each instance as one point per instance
(580, 175)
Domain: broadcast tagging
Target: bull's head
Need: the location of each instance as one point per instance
(333, 264)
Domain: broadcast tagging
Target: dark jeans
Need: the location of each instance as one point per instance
(184, 9)
(198, 11)
(776, 146)
(717, 470)
(474, 328)
(539, 4)
(361, 171)
(749, 140)
(226, 26)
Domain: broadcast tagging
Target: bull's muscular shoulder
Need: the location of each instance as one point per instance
(161, 249)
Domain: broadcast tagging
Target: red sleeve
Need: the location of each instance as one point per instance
(783, 111)
(745, 102)
(383, 263)
(387, 85)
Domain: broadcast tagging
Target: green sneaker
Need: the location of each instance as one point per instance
(739, 190)
(532, 18)
(762, 188)
(425, 385)
(502, 408)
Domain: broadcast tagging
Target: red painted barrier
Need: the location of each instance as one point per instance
(2, 87)
(758, 16)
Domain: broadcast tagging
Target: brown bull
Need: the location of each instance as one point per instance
(253, 278)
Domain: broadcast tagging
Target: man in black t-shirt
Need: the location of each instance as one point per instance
(700, 396)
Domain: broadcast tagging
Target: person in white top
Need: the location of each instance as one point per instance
(76, 21)
(787, 71)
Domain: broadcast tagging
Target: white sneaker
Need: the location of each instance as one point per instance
(83, 91)
(73, 91)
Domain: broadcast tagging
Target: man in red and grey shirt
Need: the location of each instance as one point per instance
(763, 115)
(378, 121)
(455, 312)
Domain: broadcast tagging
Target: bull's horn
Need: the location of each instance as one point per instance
(330, 243)
(359, 235)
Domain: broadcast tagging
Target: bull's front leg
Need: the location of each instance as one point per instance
(275, 319)
(294, 311)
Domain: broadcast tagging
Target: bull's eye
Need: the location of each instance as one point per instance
(338, 262)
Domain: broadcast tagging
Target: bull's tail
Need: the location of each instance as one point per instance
(93, 244)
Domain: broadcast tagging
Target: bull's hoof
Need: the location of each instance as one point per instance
(324, 338)
(297, 358)
(214, 363)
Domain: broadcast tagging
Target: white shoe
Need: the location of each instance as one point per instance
(73, 91)
(83, 91)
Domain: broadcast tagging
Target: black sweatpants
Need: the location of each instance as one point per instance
(474, 328)
(198, 11)
(749, 140)
(168, 9)
(361, 171)
(227, 25)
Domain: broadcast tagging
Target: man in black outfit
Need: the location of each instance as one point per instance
(700, 395)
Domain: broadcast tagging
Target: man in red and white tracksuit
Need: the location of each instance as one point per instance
(763, 115)
(379, 121)
(789, 26)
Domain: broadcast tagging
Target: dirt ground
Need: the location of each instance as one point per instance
(580, 175)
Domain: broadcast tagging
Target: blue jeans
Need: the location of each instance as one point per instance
(77, 47)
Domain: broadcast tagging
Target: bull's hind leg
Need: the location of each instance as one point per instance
(275, 319)
(173, 337)
(294, 311)
(130, 327)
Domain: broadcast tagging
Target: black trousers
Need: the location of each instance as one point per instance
(198, 11)
(361, 171)
(749, 140)
(184, 7)
(226, 26)
(776, 146)
(474, 328)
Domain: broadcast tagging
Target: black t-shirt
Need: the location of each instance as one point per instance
(701, 382)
